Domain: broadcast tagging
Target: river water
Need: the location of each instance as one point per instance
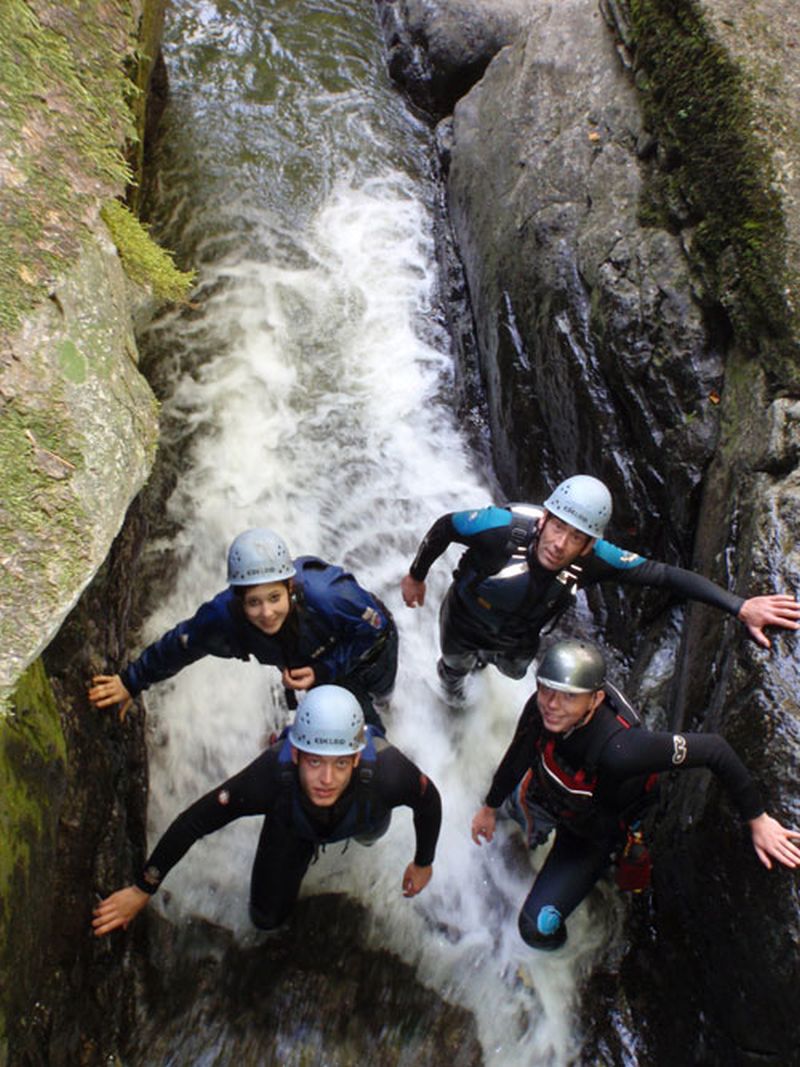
(310, 391)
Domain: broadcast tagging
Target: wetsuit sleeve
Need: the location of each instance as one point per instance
(401, 782)
(433, 544)
(191, 640)
(610, 563)
(639, 751)
(251, 792)
(518, 756)
(484, 530)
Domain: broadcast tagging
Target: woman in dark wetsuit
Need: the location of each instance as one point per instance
(309, 618)
(576, 765)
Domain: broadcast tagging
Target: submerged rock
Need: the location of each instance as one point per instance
(312, 993)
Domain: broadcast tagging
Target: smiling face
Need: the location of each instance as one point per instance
(559, 543)
(323, 779)
(562, 712)
(267, 605)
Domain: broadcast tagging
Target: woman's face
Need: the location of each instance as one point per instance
(267, 605)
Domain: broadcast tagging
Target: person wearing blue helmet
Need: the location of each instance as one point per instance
(522, 567)
(309, 618)
(329, 778)
(581, 764)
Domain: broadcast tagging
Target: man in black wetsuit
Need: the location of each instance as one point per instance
(329, 779)
(578, 765)
(523, 566)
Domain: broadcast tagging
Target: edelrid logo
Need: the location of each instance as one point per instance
(329, 741)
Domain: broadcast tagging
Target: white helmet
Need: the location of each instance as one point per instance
(258, 556)
(582, 501)
(329, 722)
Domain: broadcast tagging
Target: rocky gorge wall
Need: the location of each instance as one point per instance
(622, 183)
(611, 337)
(78, 431)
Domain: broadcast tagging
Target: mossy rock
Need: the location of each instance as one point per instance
(32, 781)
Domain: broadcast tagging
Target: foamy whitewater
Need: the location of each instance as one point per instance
(319, 406)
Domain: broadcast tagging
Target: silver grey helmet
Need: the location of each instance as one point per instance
(572, 667)
(582, 501)
(259, 555)
(329, 722)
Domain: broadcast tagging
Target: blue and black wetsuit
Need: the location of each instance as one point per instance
(294, 827)
(342, 631)
(588, 784)
(501, 597)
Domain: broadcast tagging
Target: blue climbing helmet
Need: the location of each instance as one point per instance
(257, 556)
(329, 722)
(582, 501)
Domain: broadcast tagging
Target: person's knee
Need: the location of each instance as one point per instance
(546, 931)
(512, 668)
(268, 918)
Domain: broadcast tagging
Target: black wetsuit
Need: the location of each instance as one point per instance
(501, 597)
(587, 783)
(294, 827)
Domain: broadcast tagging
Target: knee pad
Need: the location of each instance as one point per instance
(546, 932)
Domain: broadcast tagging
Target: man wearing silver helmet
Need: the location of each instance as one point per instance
(580, 763)
(309, 618)
(329, 778)
(522, 567)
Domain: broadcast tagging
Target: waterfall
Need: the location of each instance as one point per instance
(311, 388)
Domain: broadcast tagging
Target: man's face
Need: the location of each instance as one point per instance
(562, 711)
(323, 779)
(559, 543)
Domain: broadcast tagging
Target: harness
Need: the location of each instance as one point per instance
(568, 794)
(495, 589)
(358, 818)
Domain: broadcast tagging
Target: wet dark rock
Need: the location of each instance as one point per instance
(438, 50)
(313, 993)
(592, 347)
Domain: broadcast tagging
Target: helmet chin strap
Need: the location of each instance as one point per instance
(586, 717)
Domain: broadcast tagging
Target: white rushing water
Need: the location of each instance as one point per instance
(320, 408)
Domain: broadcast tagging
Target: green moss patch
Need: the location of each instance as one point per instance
(32, 771)
(715, 175)
(144, 260)
(64, 114)
(38, 457)
(67, 109)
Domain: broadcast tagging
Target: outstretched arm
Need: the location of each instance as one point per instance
(432, 545)
(109, 689)
(774, 842)
(413, 592)
(118, 910)
(776, 610)
(415, 878)
(483, 824)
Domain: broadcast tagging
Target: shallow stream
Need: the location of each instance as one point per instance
(311, 387)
